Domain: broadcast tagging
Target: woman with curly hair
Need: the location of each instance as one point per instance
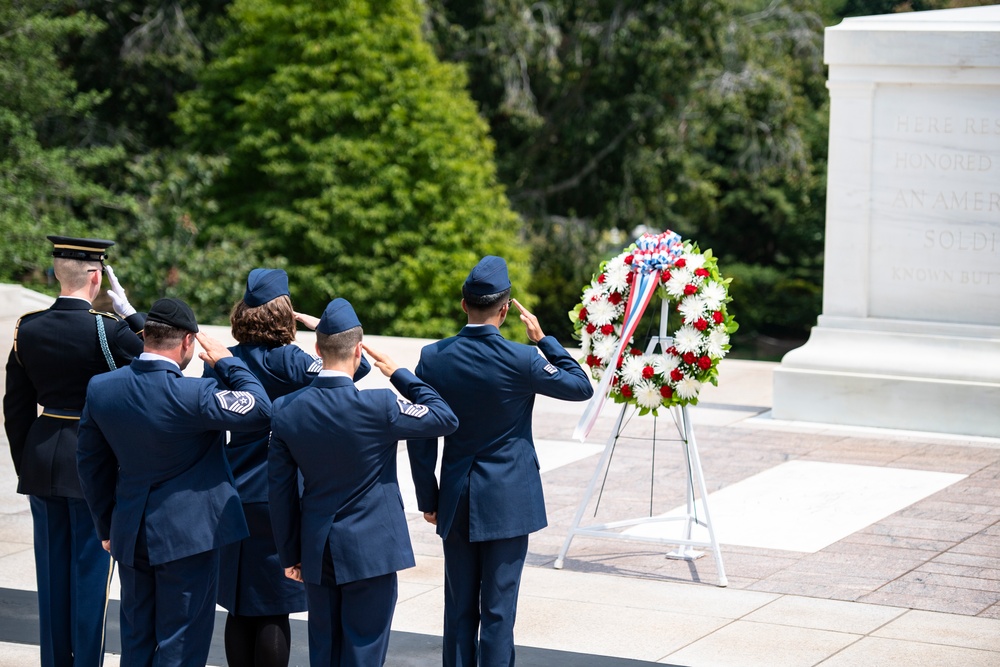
(252, 583)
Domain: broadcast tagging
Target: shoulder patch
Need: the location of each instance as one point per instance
(101, 312)
(550, 369)
(316, 366)
(410, 409)
(240, 402)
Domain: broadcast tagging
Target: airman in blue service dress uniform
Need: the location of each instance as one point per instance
(155, 476)
(346, 537)
(252, 584)
(490, 495)
(55, 353)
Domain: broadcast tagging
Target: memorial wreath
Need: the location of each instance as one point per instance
(608, 314)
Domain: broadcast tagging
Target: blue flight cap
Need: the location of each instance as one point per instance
(264, 285)
(489, 276)
(338, 316)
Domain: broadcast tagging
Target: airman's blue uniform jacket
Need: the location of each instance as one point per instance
(151, 447)
(490, 383)
(344, 442)
(281, 370)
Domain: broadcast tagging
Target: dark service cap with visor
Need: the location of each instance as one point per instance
(90, 250)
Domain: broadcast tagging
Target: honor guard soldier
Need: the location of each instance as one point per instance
(490, 495)
(55, 354)
(252, 584)
(346, 536)
(154, 472)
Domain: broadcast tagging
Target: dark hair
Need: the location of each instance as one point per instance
(271, 324)
(160, 336)
(484, 303)
(338, 346)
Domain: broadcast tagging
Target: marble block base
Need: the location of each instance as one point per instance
(893, 374)
(909, 337)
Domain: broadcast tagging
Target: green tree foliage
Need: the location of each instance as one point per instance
(166, 249)
(706, 117)
(46, 183)
(577, 94)
(357, 155)
(145, 54)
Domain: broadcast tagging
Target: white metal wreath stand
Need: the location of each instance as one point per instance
(695, 479)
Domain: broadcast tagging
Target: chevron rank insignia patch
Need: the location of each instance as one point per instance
(409, 409)
(240, 402)
(316, 367)
(550, 369)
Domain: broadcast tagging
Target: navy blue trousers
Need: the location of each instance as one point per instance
(481, 582)
(168, 610)
(349, 623)
(74, 573)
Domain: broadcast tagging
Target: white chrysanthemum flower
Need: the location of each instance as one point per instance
(714, 294)
(693, 261)
(632, 369)
(601, 312)
(687, 339)
(647, 395)
(605, 348)
(585, 342)
(591, 293)
(688, 388)
(616, 263)
(692, 308)
(664, 363)
(716, 339)
(679, 279)
(617, 277)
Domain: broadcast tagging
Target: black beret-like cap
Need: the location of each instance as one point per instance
(174, 313)
(91, 250)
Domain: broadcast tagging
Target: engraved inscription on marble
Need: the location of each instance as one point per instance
(935, 225)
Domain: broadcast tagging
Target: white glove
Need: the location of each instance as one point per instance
(117, 294)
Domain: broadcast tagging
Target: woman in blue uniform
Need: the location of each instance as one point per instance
(252, 583)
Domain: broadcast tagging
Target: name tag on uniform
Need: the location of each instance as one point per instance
(411, 409)
(240, 402)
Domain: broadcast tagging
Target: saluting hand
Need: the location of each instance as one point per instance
(382, 361)
(213, 349)
(309, 321)
(534, 330)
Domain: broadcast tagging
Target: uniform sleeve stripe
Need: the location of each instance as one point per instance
(240, 402)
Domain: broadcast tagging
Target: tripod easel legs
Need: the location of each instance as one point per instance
(695, 487)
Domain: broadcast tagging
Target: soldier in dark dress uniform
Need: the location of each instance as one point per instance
(55, 353)
(252, 584)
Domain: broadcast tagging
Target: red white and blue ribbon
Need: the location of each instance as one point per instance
(653, 254)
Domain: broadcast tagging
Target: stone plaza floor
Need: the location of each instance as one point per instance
(842, 546)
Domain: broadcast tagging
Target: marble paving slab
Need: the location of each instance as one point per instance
(805, 506)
